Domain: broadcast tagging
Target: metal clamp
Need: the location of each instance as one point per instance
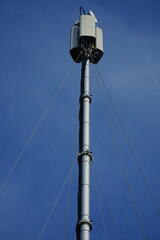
(84, 221)
(86, 96)
(88, 153)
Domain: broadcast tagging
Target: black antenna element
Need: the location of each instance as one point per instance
(82, 10)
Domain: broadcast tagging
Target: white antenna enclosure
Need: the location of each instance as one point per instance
(86, 35)
(87, 26)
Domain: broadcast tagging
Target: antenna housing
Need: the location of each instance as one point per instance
(86, 39)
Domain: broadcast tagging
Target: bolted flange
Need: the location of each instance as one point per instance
(87, 152)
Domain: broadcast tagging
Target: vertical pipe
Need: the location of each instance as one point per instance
(84, 224)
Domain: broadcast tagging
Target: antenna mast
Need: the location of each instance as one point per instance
(86, 47)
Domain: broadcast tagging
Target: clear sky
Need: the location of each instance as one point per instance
(34, 59)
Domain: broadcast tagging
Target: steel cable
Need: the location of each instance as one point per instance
(69, 190)
(31, 136)
(122, 163)
(99, 206)
(129, 143)
(55, 203)
(35, 130)
(108, 203)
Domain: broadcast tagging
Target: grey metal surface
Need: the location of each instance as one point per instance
(99, 39)
(87, 26)
(83, 223)
(74, 41)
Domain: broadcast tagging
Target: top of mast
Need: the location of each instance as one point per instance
(86, 38)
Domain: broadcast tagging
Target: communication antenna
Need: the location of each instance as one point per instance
(86, 47)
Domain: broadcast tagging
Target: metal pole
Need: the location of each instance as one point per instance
(84, 225)
(86, 47)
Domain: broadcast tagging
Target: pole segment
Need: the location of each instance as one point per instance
(84, 225)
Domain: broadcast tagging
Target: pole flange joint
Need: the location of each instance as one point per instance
(84, 221)
(88, 153)
(86, 96)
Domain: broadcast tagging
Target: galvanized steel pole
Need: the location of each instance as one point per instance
(86, 47)
(84, 224)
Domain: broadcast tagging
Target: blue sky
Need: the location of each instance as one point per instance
(34, 60)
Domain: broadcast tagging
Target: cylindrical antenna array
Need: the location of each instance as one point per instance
(86, 37)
